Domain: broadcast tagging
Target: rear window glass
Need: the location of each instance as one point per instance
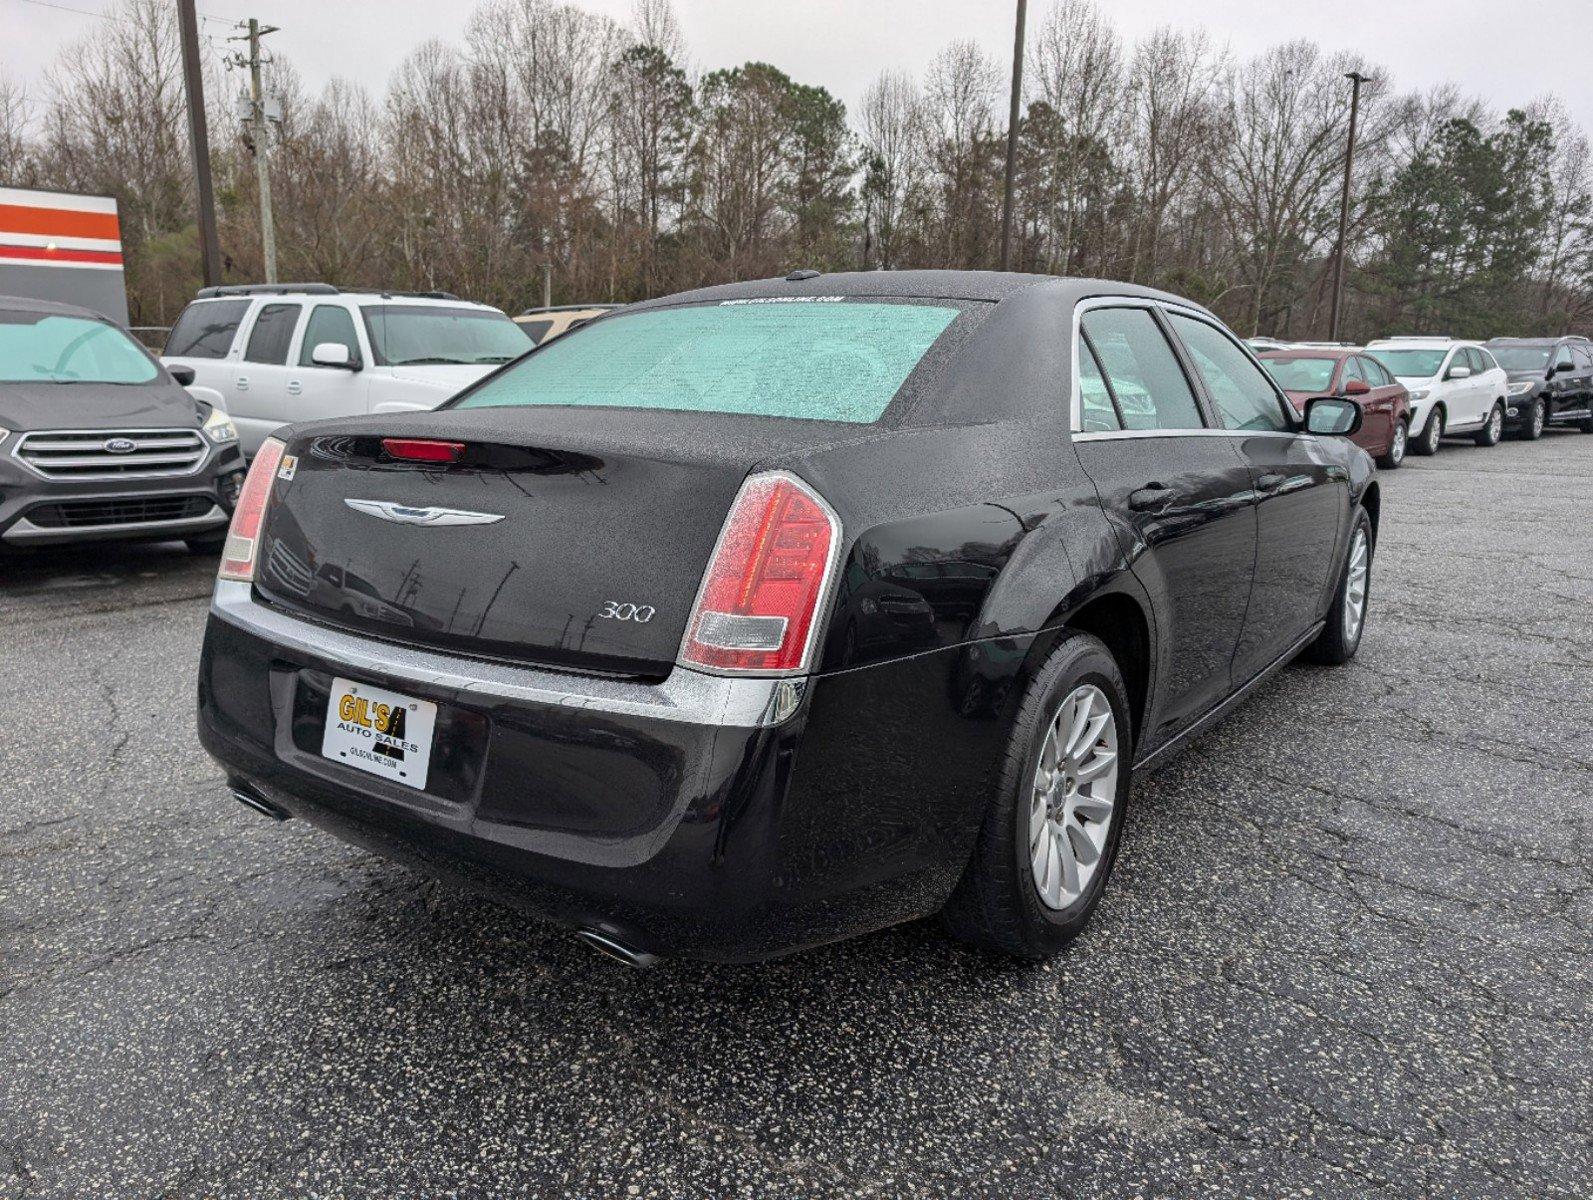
(812, 360)
(205, 330)
(1301, 374)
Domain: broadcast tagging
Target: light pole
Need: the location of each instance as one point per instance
(1356, 79)
(1012, 133)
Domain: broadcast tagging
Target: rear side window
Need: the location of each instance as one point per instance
(1375, 374)
(817, 360)
(329, 323)
(1244, 397)
(205, 330)
(1097, 412)
(1144, 375)
(273, 330)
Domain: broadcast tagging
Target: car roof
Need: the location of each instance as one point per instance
(54, 307)
(989, 286)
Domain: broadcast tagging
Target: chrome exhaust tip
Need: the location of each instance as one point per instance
(250, 798)
(610, 947)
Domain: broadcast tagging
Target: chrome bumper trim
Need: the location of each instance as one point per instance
(686, 696)
(26, 531)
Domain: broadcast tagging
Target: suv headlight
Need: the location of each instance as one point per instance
(1421, 393)
(219, 428)
(1522, 388)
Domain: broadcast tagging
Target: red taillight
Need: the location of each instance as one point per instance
(238, 557)
(423, 449)
(761, 594)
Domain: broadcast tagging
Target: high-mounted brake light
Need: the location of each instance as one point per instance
(423, 449)
(243, 536)
(758, 606)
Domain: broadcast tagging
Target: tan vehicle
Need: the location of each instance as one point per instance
(545, 324)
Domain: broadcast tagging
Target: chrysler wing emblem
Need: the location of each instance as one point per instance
(403, 514)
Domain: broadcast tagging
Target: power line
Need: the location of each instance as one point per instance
(107, 16)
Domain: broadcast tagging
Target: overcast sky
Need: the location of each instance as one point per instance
(1505, 53)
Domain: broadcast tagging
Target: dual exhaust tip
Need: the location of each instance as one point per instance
(604, 943)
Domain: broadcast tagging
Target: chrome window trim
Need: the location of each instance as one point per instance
(686, 696)
(1075, 400)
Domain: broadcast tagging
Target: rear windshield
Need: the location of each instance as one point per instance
(428, 335)
(818, 360)
(1301, 374)
(46, 348)
(1522, 358)
(205, 330)
(1412, 364)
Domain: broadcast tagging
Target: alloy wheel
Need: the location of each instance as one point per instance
(1537, 420)
(1495, 425)
(1355, 578)
(1396, 448)
(1433, 435)
(1074, 797)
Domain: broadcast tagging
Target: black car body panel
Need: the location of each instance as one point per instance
(979, 527)
(59, 484)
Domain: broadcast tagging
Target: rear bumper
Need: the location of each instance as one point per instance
(701, 817)
(35, 511)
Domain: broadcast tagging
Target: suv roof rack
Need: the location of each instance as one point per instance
(1418, 337)
(310, 289)
(550, 308)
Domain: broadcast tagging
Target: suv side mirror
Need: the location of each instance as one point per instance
(1561, 366)
(1459, 373)
(183, 375)
(1332, 416)
(1357, 387)
(333, 354)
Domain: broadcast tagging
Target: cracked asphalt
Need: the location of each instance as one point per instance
(1346, 951)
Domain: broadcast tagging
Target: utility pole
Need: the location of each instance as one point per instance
(1012, 134)
(261, 139)
(1356, 79)
(199, 141)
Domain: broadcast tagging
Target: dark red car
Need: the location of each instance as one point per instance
(1306, 371)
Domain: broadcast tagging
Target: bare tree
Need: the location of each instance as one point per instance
(893, 139)
(961, 134)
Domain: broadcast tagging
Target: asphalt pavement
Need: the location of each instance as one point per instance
(1346, 951)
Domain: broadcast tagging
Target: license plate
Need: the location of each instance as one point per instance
(380, 732)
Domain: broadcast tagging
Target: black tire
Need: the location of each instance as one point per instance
(1432, 435)
(1395, 458)
(210, 543)
(1587, 421)
(1492, 433)
(1536, 419)
(1335, 646)
(996, 905)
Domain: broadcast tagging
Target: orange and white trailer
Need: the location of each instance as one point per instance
(62, 246)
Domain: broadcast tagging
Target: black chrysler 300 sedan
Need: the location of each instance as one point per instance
(768, 614)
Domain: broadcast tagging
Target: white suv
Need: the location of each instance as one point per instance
(294, 352)
(1455, 387)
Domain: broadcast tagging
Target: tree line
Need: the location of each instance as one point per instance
(553, 137)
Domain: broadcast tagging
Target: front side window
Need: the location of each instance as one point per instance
(1240, 390)
(273, 330)
(818, 361)
(1475, 361)
(426, 335)
(47, 348)
(1562, 357)
(329, 323)
(1352, 370)
(1097, 412)
(205, 329)
(1133, 355)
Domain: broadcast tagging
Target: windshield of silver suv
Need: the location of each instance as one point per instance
(48, 348)
(413, 335)
(1522, 358)
(1412, 364)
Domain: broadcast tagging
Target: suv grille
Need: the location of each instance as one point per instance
(75, 514)
(84, 454)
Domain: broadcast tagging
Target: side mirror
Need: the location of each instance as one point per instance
(183, 375)
(1459, 373)
(1563, 366)
(1332, 416)
(1357, 387)
(333, 354)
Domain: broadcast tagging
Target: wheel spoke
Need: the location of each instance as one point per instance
(1093, 808)
(1082, 707)
(1086, 852)
(1068, 861)
(1036, 822)
(1103, 762)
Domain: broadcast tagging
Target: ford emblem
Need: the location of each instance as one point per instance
(120, 445)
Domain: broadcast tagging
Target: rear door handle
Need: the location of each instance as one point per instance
(1150, 497)
(243, 383)
(294, 387)
(1270, 482)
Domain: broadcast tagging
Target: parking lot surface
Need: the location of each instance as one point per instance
(1346, 951)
